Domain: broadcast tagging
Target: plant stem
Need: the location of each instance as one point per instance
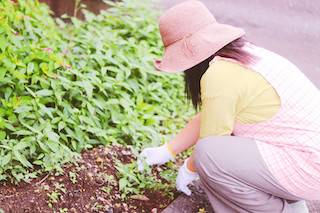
(76, 8)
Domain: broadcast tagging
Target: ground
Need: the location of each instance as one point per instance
(91, 185)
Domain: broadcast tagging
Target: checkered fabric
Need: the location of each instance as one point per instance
(290, 141)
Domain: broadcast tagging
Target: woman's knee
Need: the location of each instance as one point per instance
(203, 149)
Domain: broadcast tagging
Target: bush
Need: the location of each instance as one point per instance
(65, 87)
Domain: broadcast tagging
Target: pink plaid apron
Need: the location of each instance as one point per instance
(290, 141)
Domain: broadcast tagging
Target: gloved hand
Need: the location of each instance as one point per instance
(156, 155)
(185, 177)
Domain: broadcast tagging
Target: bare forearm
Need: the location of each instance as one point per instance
(190, 164)
(188, 136)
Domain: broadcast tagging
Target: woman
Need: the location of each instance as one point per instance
(257, 136)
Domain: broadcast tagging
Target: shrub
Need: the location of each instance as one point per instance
(65, 87)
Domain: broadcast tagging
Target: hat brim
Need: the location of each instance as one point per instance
(196, 47)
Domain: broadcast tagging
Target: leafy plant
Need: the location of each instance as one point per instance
(131, 181)
(55, 195)
(110, 179)
(73, 177)
(65, 87)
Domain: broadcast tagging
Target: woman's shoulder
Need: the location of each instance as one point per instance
(224, 69)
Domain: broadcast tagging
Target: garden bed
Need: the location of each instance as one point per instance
(90, 185)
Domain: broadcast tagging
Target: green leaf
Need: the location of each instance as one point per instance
(53, 146)
(3, 71)
(43, 146)
(24, 132)
(19, 75)
(3, 135)
(30, 91)
(20, 146)
(53, 136)
(44, 93)
(2, 43)
(6, 159)
(22, 159)
(90, 108)
(2, 112)
(31, 128)
(56, 120)
(37, 162)
(61, 125)
(24, 108)
(64, 15)
(122, 183)
(87, 86)
(10, 127)
(30, 68)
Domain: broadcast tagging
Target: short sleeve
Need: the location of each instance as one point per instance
(219, 96)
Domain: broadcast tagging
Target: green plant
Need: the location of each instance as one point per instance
(96, 207)
(73, 177)
(202, 210)
(60, 187)
(110, 180)
(63, 210)
(53, 197)
(131, 181)
(65, 88)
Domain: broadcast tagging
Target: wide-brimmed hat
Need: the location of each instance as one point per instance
(190, 34)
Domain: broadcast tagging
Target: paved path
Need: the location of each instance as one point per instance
(290, 28)
(198, 201)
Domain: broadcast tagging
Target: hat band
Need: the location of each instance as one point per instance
(189, 34)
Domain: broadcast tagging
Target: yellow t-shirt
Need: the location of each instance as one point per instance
(231, 92)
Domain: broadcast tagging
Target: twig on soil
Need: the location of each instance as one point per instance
(43, 179)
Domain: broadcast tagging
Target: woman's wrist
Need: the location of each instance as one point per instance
(190, 165)
(172, 153)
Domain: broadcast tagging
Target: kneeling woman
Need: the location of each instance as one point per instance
(257, 136)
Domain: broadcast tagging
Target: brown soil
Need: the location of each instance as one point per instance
(90, 186)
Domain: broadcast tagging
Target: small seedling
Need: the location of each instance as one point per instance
(63, 210)
(60, 187)
(53, 197)
(73, 177)
(202, 210)
(106, 189)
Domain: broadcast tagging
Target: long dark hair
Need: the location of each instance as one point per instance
(193, 75)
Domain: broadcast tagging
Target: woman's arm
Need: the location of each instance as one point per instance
(181, 142)
(187, 137)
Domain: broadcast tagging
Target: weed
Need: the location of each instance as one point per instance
(106, 189)
(96, 207)
(61, 93)
(60, 187)
(63, 210)
(132, 181)
(53, 197)
(202, 210)
(73, 177)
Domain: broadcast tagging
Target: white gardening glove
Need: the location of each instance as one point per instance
(156, 155)
(185, 177)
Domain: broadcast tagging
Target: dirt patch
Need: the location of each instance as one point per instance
(90, 185)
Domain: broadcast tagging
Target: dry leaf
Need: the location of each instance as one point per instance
(139, 197)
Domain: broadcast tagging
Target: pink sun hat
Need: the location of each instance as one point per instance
(190, 34)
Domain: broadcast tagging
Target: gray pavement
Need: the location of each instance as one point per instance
(198, 202)
(290, 28)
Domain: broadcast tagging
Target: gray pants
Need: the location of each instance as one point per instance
(236, 178)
